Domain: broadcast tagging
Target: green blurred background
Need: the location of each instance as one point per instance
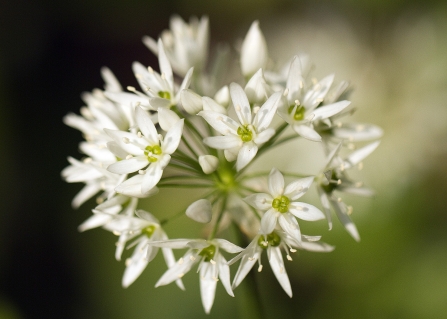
(393, 52)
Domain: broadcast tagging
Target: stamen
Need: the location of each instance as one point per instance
(180, 261)
(251, 258)
(163, 76)
(99, 200)
(339, 182)
(292, 250)
(215, 278)
(150, 69)
(256, 109)
(297, 102)
(289, 258)
(338, 124)
(139, 134)
(131, 88)
(260, 268)
(301, 84)
(116, 233)
(137, 104)
(141, 172)
(128, 262)
(126, 140)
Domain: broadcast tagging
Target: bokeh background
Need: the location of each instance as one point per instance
(393, 52)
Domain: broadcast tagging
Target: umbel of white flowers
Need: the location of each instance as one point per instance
(172, 135)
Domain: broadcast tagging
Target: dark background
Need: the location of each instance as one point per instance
(52, 51)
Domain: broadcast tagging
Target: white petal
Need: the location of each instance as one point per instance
(172, 137)
(257, 89)
(200, 211)
(259, 201)
(112, 84)
(94, 221)
(177, 271)
(134, 140)
(294, 79)
(165, 66)
(222, 96)
(191, 101)
(276, 183)
(172, 243)
(357, 132)
(208, 163)
(132, 187)
(128, 165)
(231, 153)
(264, 136)
(228, 246)
(127, 99)
(222, 142)
(326, 206)
(268, 221)
(357, 156)
(211, 105)
(220, 122)
(290, 226)
(241, 104)
(224, 274)
(277, 264)
(345, 219)
(327, 111)
(185, 83)
(307, 132)
(298, 187)
(265, 114)
(246, 154)
(306, 211)
(254, 53)
(167, 118)
(136, 264)
(158, 102)
(245, 266)
(151, 177)
(317, 247)
(207, 285)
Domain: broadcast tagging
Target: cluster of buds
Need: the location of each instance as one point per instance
(199, 134)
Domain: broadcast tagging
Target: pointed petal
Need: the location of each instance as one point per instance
(259, 201)
(228, 246)
(165, 66)
(307, 132)
(241, 104)
(224, 274)
(151, 177)
(264, 136)
(298, 187)
(172, 138)
(345, 219)
(223, 142)
(357, 156)
(208, 163)
(254, 53)
(290, 226)
(191, 101)
(132, 187)
(268, 221)
(266, 113)
(128, 165)
(327, 111)
(246, 154)
(357, 132)
(211, 105)
(326, 206)
(276, 183)
(207, 285)
(245, 266)
(305, 211)
(277, 264)
(220, 122)
(167, 118)
(136, 264)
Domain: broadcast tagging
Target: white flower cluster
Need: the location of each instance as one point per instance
(171, 135)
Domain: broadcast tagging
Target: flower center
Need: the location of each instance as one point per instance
(281, 204)
(149, 231)
(208, 252)
(150, 151)
(164, 95)
(299, 112)
(245, 133)
(272, 239)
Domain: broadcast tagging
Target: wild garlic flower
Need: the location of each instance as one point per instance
(334, 179)
(241, 139)
(212, 265)
(280, 205)
(146, 149)
(203, 134)
(273, 243)
(186, 44)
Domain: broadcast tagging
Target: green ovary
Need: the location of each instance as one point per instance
(273, 240)
(164, 95)
(281, 204)
(150, 151)
(208, 252)
(149, 231)
(299, 112)
(245, 133)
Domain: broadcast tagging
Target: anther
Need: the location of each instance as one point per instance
(251, 258)
(286, 91)
(301, 84)
(99, 200)
(212, 262)
(126, 140)
(292, 250)
(256, 109)
(350, 210)
(180, 275)
(297, 102)
(338, 124)
(137, 104)
(129, 156)
(339, 182)
(163, 76)
(150, 69)
(219, 118)
(215, 278)
(138, 76)
(192, 258)
(131, 88)
(128, 262)
(260, 268)
(289, 258)
(87, 160)
(180, 261)
(116, 233)
(140, 134)
(141, 172)
(339, 200)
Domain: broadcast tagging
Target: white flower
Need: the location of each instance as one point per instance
(273, 242)
(160, 89)
(334, 179)
(257, 89)
(254, 53)
(241, 139)
(186, 44)
(281, 206)
(212, 265)
(147, 228)
(148, 149)
(300, 108)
